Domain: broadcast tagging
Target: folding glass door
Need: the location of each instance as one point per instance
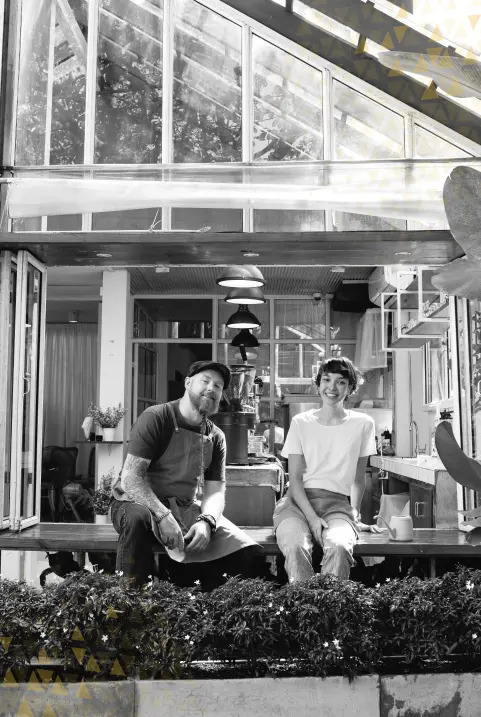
(22, 349)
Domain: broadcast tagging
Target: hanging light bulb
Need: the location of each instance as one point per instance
(73, 317)
(243, 319)
(245, 295)
(241, 277)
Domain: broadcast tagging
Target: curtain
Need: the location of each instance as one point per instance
(369, 353)
(71, 376)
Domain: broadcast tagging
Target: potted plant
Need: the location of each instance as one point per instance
(107, 418)
(103, 496)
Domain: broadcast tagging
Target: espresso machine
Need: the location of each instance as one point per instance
(239, 412)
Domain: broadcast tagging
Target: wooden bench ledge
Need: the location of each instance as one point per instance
(88, 537)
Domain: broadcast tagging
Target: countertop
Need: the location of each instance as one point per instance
(423, 468)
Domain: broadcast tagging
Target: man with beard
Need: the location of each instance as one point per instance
(172, 484)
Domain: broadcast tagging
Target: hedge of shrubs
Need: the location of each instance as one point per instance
(98, 627)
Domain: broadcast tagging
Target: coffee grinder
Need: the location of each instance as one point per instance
(238, 412)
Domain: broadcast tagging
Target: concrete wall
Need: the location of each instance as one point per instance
(368, 696)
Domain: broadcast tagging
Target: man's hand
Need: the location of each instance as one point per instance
(170, 532)
(198, 537)
(317, 527)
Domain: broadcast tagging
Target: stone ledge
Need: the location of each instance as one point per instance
(426, 695)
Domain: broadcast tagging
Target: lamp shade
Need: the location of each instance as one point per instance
(73, 317)
(243, 319)
(241, 277)
(247, 295)
(245, 338)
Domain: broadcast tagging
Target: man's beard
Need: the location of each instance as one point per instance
(205, 405)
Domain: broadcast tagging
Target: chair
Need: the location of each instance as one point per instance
(58, 474)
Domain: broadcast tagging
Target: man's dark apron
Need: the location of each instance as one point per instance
(180, 470)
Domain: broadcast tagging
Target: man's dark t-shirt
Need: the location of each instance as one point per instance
(152, 431)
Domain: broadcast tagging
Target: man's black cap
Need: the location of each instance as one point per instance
(221, 368)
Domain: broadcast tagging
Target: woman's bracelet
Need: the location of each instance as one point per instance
(167, 512)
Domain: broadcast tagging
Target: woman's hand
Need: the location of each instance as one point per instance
(317, 526)
(365, 528)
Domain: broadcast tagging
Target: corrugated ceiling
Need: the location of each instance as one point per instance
(280, 280)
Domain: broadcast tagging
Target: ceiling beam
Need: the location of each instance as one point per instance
(321, 43)
(435, 248)
(369, 21)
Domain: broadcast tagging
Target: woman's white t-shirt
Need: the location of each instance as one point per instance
(330, 452)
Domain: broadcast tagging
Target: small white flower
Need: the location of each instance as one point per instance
(270, 605)
(336, 644)
(191, 642)
(469, 585)
(119, 573)
(205, 612)
(388, 580)
(197, 582)
(281, 609)
(91, 614)
(43, 634)
(474, 636)
(65, 629)
(192, 597)
(278, 613)
(105, 638)
(325, 644)
(224, 575)
(187, 637)
(378, 585)
(59, 613)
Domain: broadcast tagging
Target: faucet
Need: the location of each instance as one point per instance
(412, 425)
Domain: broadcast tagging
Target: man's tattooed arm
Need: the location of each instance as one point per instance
(134, 484)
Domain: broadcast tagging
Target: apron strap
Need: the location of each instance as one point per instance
(174, 418)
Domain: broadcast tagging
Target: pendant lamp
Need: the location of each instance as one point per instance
(243, 319)
(241, 277)
(245, 338)
(248, 295)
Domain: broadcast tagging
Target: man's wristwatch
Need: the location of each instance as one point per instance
(210, 520)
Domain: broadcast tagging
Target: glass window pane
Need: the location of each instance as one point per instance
(176, 318)
(344, 324)
(429, 146)
(287, 105)
(51, 85)
(215, 220)
(269, 220)
(347, 350)
(65, 223)
(128, 126)
(260, 311)
(364, 129)
(258, 357)
(296, 367)
(300, 319)
(348, 222)
(135, 219)
(207, 85)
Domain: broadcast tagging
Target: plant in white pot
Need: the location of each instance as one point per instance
(103, 496)
(107, 418)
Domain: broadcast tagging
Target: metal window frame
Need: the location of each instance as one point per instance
(17, 522)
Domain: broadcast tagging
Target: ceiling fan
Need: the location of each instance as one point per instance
(462, 203)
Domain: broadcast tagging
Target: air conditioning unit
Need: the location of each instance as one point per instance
(387, 279)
